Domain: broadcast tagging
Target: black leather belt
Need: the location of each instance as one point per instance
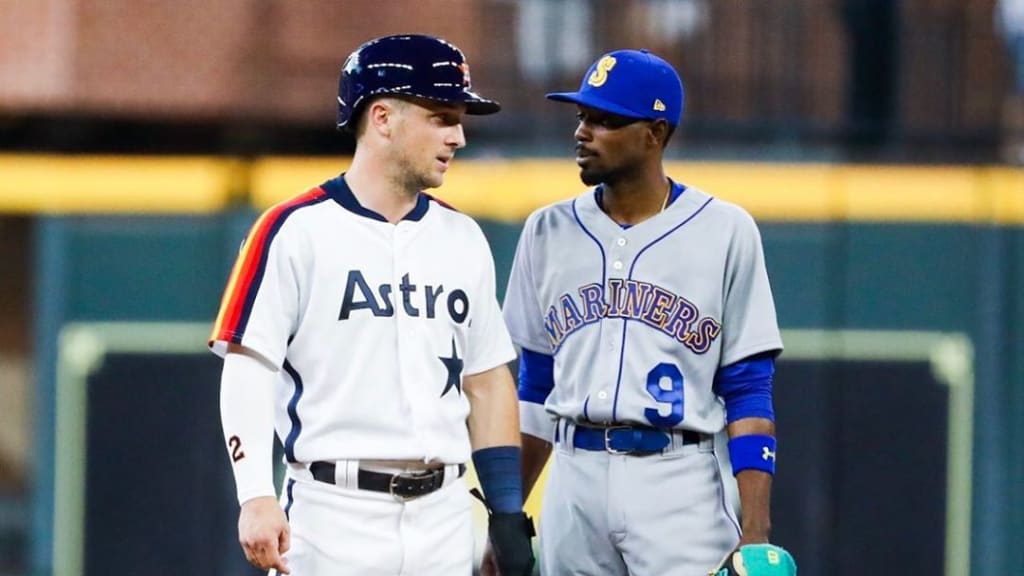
(629, 439)
(405, 486)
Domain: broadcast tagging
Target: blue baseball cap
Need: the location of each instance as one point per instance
(631, 83)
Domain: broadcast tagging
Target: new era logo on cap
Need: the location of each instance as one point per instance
(631, 83)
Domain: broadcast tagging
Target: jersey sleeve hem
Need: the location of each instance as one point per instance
(747, 351)
(489, 363)
(535, 421)
(542, 347)
(218, 343)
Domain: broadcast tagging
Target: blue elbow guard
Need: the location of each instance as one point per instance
(746, 388)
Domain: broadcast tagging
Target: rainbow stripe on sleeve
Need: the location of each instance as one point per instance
(247, 273)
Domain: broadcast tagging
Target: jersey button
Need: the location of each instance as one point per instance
(621, 241)
(602, 395)
(617, 265)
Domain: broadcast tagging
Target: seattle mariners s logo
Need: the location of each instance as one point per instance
(600, 74)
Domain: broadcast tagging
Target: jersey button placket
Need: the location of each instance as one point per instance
(618, 254)
(604, 396)
(405, 328)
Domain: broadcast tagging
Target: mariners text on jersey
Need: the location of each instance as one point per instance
(648, 303)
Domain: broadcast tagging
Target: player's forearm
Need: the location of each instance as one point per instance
(494, 409)
(536, 452)
(247, 419)
(755, 489)
(749, 426)
(754, 486)
(494, 436)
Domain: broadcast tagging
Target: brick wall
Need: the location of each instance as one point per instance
(743, 61)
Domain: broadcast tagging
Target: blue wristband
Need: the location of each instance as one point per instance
(752, 452)
(500, 474)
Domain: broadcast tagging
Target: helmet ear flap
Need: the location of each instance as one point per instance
(351, 91)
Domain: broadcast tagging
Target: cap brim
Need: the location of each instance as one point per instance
(480, 106)
(592, 101)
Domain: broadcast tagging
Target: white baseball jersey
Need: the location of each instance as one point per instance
(639, 319)
(372, 324)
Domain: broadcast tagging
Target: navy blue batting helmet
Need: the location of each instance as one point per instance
(410, 65)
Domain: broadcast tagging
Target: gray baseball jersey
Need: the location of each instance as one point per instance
(639, 319)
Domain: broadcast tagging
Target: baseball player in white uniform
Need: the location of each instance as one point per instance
(360, 322)
(645, 322)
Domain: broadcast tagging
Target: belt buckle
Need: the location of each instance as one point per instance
(393, 485)
(420, 476)
(608, 440)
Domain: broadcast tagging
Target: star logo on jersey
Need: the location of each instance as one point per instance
(454, 366)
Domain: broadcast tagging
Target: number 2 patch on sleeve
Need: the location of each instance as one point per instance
(235, 443)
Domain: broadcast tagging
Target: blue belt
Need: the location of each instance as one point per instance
(629, 439)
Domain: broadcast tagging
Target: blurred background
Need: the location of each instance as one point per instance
(877, 142)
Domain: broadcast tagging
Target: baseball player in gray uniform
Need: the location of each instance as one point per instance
(360, 321)
(645, 323)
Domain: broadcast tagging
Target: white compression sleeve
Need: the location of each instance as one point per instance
(247, 418)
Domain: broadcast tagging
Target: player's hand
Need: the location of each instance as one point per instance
(489, 566)
(510, 536)
(264, 533)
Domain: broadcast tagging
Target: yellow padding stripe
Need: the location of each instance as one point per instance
(274, 180)
(511, 189)
(52, 184)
